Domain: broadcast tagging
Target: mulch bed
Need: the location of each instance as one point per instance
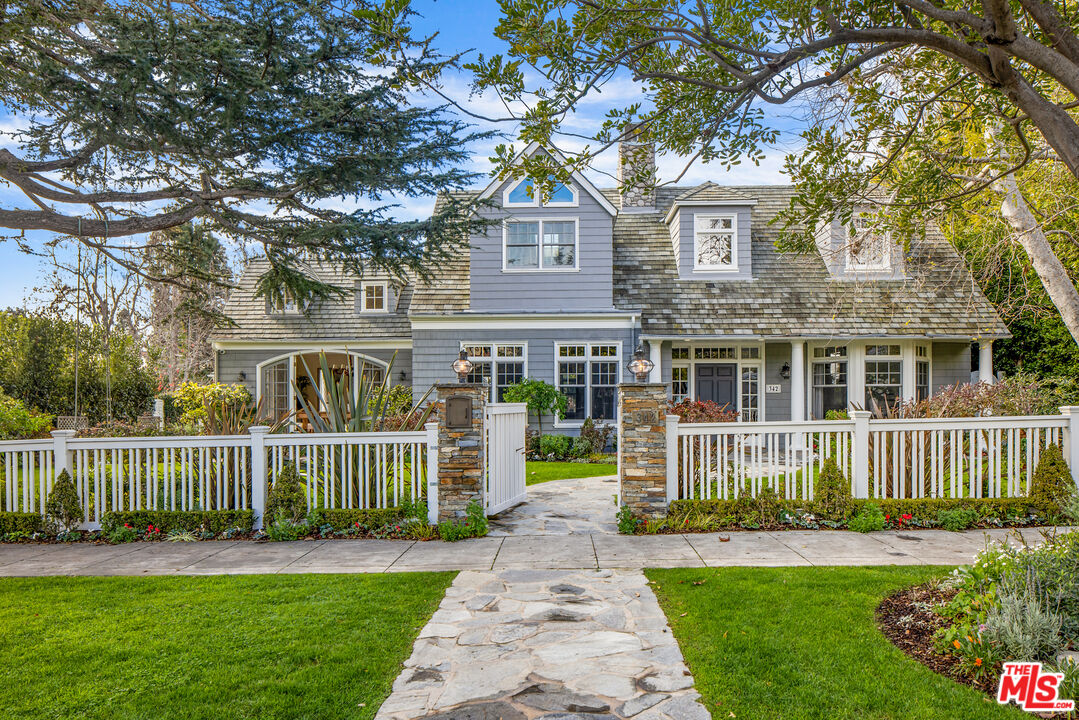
(907, 621)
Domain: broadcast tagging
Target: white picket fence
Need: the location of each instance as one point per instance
(985, 457)
(230, 472)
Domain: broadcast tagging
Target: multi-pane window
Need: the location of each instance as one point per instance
(588, 376)
(524, 194)
(829, 382)
(680, 353)
(883, 377)
(751, 353)
(284, 304)
(868, 246)
(714, 242)
(751, 393)
(541, 244)
(679, 383)
(715, 353)
(921, 380)
(374, 297)
(497, 366)
(275, 387)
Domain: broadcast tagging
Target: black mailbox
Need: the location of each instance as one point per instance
(459, 412)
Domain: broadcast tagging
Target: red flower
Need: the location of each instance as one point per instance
(887, 517)
(908, 516)
(127, 525)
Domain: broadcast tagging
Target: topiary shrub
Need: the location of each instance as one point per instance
(63, 509)
(287, 497)
(1052, 486)
(832, 499)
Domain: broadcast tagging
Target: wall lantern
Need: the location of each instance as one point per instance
(640, 366)
(242, 376)
(402, 377)
(462, 366)
(785, 371)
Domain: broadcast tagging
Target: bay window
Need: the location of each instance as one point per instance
(829, 380)
(883, 377)
(588, 375)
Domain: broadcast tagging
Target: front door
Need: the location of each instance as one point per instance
(717, 384)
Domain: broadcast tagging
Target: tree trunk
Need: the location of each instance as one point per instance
(1031, 237)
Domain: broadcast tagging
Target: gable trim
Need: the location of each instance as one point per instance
(577, 177)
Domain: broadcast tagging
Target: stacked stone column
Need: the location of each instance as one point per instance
(643, 448)
(460, 452)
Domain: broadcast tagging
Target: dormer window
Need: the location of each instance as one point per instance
(285, 304)
(715, 243)
(373, 298)
(524, 194)
(868, 247)
(540, 245)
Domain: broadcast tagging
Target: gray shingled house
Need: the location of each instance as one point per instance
(564, 290)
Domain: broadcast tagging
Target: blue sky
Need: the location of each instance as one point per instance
(460, 26)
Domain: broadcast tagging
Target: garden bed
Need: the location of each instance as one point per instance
(906, 618)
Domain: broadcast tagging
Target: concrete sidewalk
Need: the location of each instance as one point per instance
(788, 548)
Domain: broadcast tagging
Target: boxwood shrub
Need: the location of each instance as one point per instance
(344, 519)
(214, 521)
(11, 522)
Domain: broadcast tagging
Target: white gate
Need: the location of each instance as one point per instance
(504, 456)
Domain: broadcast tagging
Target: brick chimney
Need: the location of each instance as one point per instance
(637, 171)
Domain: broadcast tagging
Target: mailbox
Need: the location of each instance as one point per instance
(459, 412)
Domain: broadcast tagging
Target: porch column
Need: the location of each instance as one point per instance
(655, 354)
(798, 381)
(985, 362)
(642, 444)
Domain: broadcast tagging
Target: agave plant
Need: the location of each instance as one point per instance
(369, 409)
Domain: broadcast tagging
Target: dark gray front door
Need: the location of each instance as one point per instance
(717, 383)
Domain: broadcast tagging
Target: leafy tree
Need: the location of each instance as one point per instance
(542, 398)
(257, 116)
(914, 81)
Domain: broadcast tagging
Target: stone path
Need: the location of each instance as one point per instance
(584, 506)
(546, 644)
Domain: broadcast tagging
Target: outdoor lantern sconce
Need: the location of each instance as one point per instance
(402, 377)
(785, 371)
(242, 376)
(462, 366)
(640, 366)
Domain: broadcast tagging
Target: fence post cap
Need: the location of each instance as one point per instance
(258, 429)
(860, 414)
(1069, 409)
(673, 419)
(63, 433)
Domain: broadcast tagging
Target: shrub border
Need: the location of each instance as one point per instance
(215, 521)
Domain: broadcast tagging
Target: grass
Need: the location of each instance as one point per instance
(539, 472)
(800, 643)
(295, 647)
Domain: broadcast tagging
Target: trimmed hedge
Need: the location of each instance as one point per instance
(340, 519)
(21, 522)
(718, 514)
(214, 521)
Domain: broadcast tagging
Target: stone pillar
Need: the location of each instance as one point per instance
(985, 362)
(460, 451)
(643, 433)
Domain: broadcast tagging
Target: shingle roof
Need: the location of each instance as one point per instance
(334, 319)
(792, 294)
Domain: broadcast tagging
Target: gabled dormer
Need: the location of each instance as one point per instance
(861, 249)
(543, 253)
(710, 233)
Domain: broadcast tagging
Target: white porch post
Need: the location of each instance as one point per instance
(798, 381)
(985, 362)
(655, 354)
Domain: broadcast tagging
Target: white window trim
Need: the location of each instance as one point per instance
(295, 309)
(539, 247)
(733, 266)
(535, 201)
(493, 359)
(758, 362)
(857, 358)
(385, 297)
(587, 360)
(812, 361)
(885, 263)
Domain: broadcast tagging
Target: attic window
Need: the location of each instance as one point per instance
(374, 297)
(523, 194)
(868, 248)
(715, 243)
(285, 304)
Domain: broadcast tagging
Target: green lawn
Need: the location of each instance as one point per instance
(797, 643)
(270, 646)
(538, 472)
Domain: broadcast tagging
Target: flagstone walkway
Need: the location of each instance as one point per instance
(546, 644)
(584, 506)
